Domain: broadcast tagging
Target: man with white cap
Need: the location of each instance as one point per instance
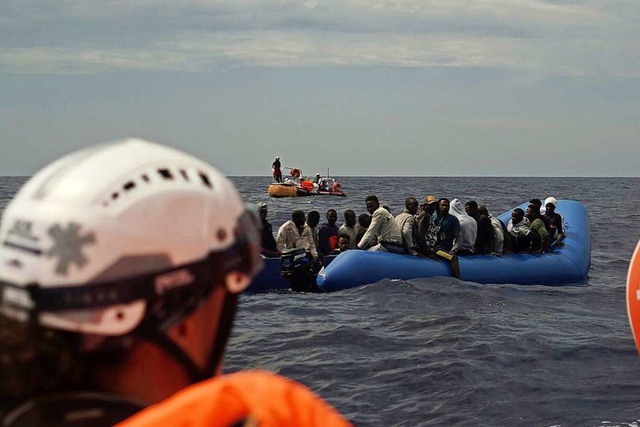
(554, 221)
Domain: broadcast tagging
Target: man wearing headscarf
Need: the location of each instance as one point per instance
(468, 228)
(484, 239)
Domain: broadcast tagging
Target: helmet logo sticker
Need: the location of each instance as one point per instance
(23, 229)
(166, 282)
(21, 237)
(67, 246)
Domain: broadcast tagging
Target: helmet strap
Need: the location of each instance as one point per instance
(163, 341)
(224, 331)
(194, 372)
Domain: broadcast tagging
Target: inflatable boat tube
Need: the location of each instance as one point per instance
(568, 264)
(292, 190)
(270, 279)
(282, 190)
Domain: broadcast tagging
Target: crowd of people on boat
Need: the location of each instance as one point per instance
(434, 228)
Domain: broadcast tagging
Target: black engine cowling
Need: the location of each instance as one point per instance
(299, 268)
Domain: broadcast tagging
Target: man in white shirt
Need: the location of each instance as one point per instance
(349, 227)
(292, 234)
(407, 224)
(384, 227)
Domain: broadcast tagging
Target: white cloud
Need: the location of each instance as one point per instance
(574, 38)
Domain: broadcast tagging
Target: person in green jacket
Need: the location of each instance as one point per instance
(537, 225)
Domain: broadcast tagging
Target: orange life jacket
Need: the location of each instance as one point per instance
(333, 242)
(307, 185)
(262, 397)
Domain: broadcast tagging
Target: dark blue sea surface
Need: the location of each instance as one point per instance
(444, 352)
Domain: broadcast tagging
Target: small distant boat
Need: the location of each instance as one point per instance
(296, 186)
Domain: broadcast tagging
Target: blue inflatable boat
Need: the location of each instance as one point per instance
(568, 264)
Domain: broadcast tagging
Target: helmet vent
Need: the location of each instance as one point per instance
(165, 173)
(205, 179)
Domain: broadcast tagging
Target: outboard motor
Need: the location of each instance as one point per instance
(299, 269)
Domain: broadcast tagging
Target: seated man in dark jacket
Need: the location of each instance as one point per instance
(536, 224)
(484, 239)
(519, 235)
(269, 247)
(328, 233)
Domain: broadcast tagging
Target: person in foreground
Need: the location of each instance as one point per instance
(120, 270)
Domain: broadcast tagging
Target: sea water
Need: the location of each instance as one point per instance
(444, 352)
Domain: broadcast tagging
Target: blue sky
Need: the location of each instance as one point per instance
(430, 87)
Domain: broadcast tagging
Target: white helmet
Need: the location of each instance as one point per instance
(95, 241)
(551, 200)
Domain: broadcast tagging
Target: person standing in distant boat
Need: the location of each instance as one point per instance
(277, 171)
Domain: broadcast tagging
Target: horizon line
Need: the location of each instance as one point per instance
(418, 176)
